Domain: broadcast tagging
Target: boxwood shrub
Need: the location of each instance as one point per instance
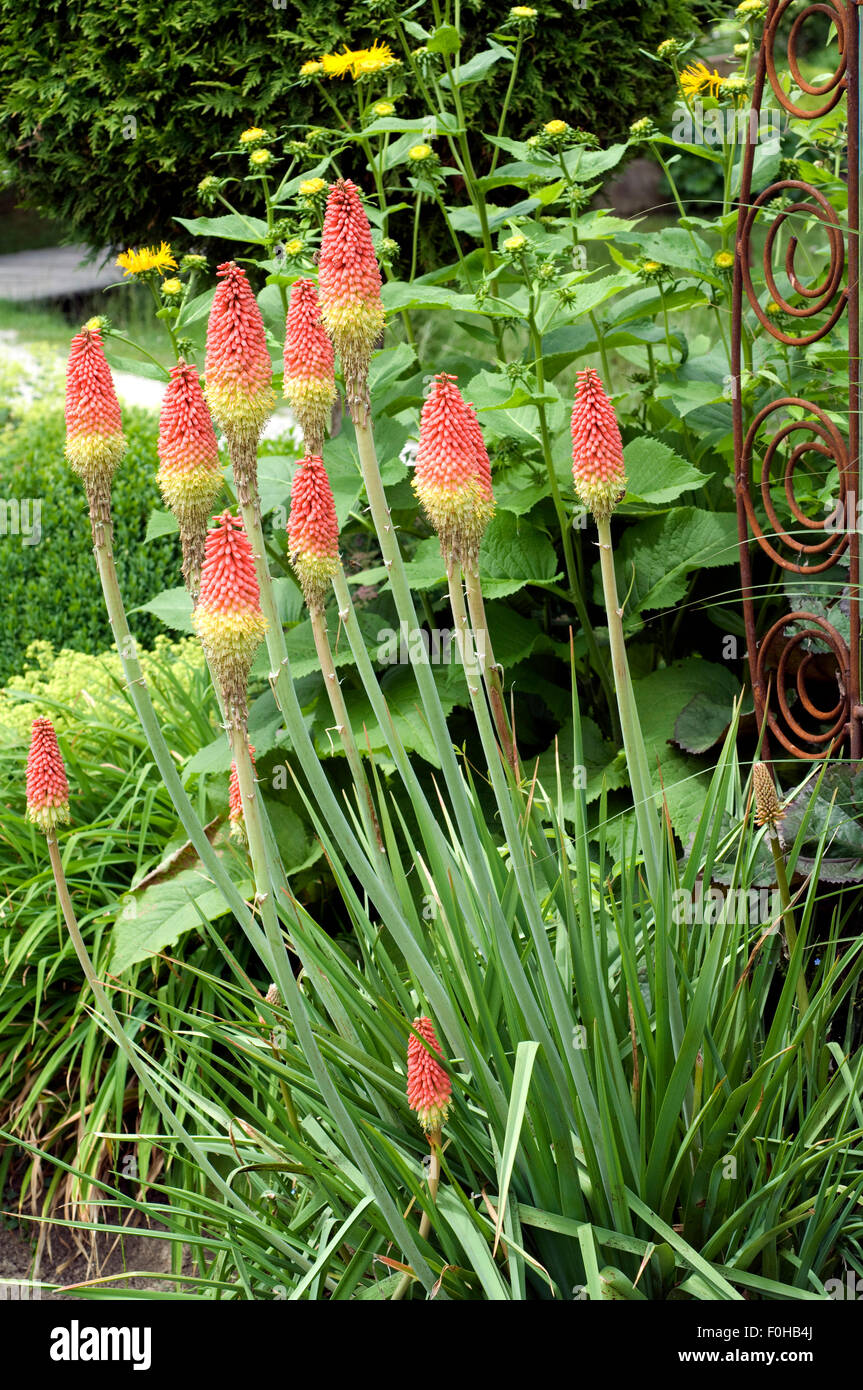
(51, 589)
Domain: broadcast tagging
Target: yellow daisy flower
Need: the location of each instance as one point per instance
(252, 135)
(312, 68)
(698, 78)
(375, 59)
(419, 152)
(555, 127)
(146, 258)
(383, 108)
(338, 64)
(172, 286)
(260, 157)
(310, 188)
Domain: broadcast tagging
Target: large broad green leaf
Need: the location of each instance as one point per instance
(584, 164)
(173, 607)
(398, 295)
(160, 523)
(479, 65)
(507, 411)
(464, 219)
(233, 227)
(660, 698)
(161, 913)
(655, 557)
(589, 294)
(513, 553)
(655, 473)
(687, 396)
(672, 246)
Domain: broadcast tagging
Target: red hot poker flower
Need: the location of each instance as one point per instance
(94, 425)
(597, 450)
(47, 787)
(313, 530)
(190, 477)
(309, 382)
(349, 285)
(429, 1088)
(238, 370)
(228, 617)
(452, 477)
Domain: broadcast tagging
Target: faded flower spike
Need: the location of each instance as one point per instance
(309, 381)
(313, 530)
(429, 1088)
(349, 285)
(597, 450)
(238, 371)
(189, 475)
(235, 801)
(47, 787)
(768, 810)
(228, 618)
(94, 425)
(452, 478)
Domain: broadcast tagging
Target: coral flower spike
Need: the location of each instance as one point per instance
(597, 450)
(452, 478)
(94, 425)
(309, 382)
(47, 787)
(238, 371)
(313, 530)
(228, 618)
(349, 285)
(189, 476)
(429, 1088)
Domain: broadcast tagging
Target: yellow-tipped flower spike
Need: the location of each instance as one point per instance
(597, 451)
(189, 476)
(349, 286)
(313, 530)
(310, 385)
(228, 618)
(94, 425)
(47, 787)
(452, 478)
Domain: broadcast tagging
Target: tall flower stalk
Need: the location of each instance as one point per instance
(313, 541)
(600, 482)
(452, 479)
(769, 813)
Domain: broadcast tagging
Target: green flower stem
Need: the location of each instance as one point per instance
(791, 934)
(121, 338)
(435, 1142)
(501, 125)
(159, 306)
(162, 756)
(395, 568)
(415, 237)
(488, 666)
(675, 194)
(596, 657)
(343, 724)
(643, 795)
(121, 1037)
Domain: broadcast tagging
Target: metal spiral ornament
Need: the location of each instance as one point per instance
(805, 674)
